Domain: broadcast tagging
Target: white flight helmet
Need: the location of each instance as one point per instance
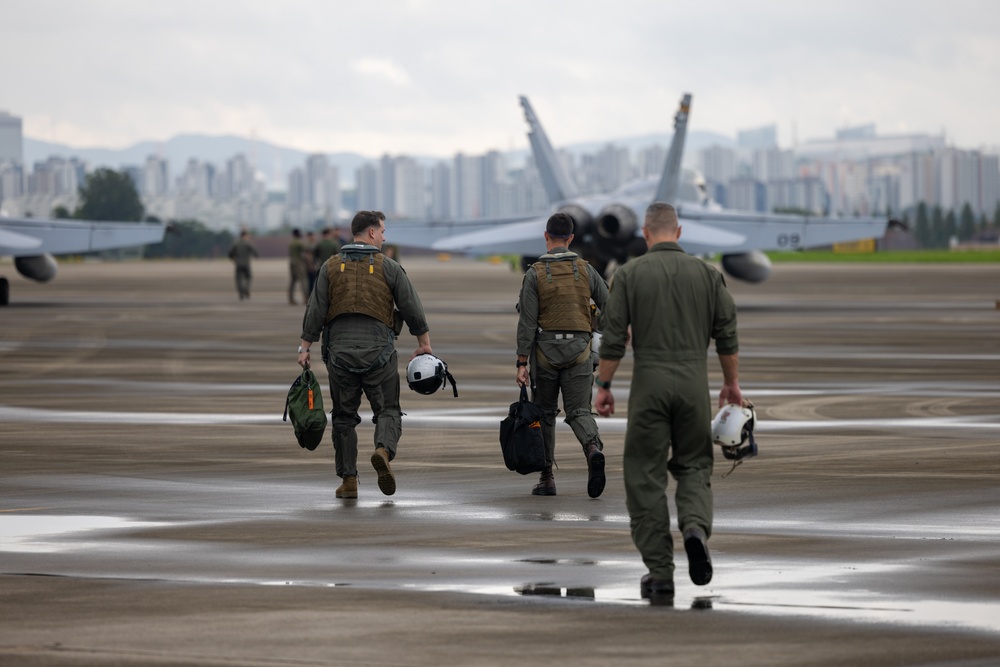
(732, 429)
(426, 374)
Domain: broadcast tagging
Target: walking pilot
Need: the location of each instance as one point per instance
(554, 331)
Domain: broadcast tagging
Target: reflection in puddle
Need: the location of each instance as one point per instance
(558, 561)
(555, 591)
(702, 603)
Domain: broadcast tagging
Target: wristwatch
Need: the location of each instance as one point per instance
(602, 384)
(521, 363)
(303, 349)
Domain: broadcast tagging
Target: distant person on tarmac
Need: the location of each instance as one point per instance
(298, 268)
(674, 304)
(310, 253)
(240, 253)
(327, 247)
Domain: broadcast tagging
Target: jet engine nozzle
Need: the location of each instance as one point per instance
(583, 221)
(617, 222)
(753, 266)
(42, 268)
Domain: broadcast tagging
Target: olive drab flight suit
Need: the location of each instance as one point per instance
(325, 249)
(554, 330)
(357, 297)
(240, 253)
(298, 270)
(674, 303)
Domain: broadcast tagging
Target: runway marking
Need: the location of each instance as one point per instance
(488, 418)
(943, 389)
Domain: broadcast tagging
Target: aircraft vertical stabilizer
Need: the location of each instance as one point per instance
(670, 180)
(556, 182)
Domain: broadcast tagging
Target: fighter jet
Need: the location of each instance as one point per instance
(608, 226)
(32, 243)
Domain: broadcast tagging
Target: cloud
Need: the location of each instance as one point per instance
(383, 69)
(438, 76)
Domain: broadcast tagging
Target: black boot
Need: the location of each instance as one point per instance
(546, 484)
(595, 470)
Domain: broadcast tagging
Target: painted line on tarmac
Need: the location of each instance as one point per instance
(489, 418)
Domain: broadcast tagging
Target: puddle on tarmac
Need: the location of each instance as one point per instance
(828, 590)
(48, 533)
(558, 561)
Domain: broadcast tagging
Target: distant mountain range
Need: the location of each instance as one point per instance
(275, 162)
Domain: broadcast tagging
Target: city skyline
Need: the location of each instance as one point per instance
(434, 77)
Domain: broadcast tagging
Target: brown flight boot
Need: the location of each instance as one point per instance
(595, 470)
(349, 489)
(546, 484)
(386, 480)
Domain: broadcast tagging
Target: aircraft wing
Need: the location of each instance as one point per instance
(524, 238)
(28, 237)
(438, 235)
(730, 232)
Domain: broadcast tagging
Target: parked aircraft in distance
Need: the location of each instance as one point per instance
(609, 226)
(32, 242)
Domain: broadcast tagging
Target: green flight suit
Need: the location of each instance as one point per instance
(674, 303)
(298, 270)
(561, 348)
(240, 253)
(323, 251)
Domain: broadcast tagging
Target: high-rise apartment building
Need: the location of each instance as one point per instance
(155, 177)
(760, 138)
(11, 139)
(440, 203)
(322, 187)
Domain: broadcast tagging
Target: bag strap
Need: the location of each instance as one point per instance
(306, 378)
(288, 398)
(524, 393)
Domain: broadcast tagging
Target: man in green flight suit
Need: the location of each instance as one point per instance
(357, 297)
(327, 247)
(554, 331)
(298, 267)
(674, 304)
(240, 253)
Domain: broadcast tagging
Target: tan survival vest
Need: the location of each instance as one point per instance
(359, 286)
(563, 293)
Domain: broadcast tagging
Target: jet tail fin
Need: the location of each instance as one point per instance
(670, 180)
(556, 182)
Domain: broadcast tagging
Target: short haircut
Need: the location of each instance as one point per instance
(559, 226)
(661, 217)
(365, 219)
(296, 233)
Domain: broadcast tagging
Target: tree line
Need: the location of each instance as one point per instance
(933, 228)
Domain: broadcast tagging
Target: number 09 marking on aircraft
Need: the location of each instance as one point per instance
(788, 240)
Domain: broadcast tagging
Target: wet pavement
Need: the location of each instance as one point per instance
(154, 508)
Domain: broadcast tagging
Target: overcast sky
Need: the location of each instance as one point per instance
(433, 77)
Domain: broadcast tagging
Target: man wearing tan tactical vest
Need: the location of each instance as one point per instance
(363, 297)
(554, 333)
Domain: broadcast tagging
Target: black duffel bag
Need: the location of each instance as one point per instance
(521, 437)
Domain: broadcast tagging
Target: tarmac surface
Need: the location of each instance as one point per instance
(155, 509)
